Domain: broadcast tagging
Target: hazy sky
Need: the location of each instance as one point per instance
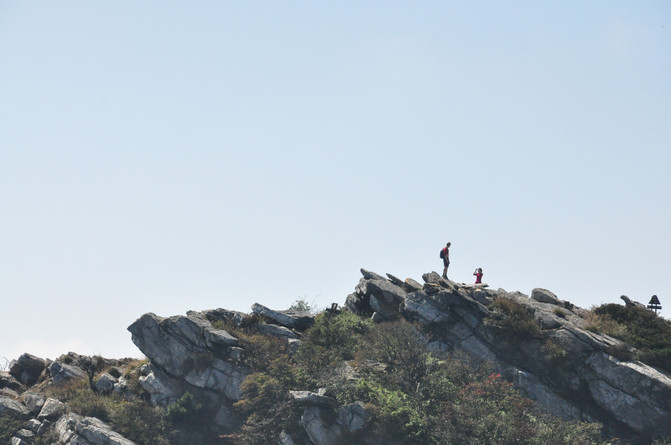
(168, 156)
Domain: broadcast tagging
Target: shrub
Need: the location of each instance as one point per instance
(136, 420)
(332, 339)
(394, 351)
(639, 328)
(302, 306)
(516, 320)
(8, 427)
(184, 410)
(559, 312)
(554, 351)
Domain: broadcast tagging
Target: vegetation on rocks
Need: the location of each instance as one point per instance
(639, 328)
(414, 396)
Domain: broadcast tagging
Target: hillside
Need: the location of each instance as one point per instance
(398, 362)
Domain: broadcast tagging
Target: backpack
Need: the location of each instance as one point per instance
(442, 252)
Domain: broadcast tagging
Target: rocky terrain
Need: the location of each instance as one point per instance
(556, 360)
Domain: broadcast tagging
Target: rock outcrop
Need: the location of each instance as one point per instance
(47, 418)
(567, 369)
(189, 354)
(582, 381)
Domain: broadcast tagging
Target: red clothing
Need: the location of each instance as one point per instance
(478, 277)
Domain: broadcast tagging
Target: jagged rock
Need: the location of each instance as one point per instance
(308, 398)
(181, 348)
(34, 425)
(353, 417)
(9, 393)
(105, 384)
(273, 330)
(7, 381)
(545, 296)
(18, 441)
(61, 372)
(24, 434)
(12, 408)
(320, 430)
(51, 410)
(288, 319)
(33, 401)
(625, 396)
(214, 315)
(73, 429)
(27, 368)
(122, 389)
(629, 302)
(162, 391)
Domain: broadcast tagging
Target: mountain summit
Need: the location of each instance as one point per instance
(399, 362)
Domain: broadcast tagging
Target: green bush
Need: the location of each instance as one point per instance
(554, 351)
(514, 318)
(332, 339)
(639, 328)
(185, 410)
(559, 312)
(8, 427)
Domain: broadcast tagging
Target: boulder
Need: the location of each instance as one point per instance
(33, 401)
(629, 302)
(273, 330)
(320, 430)
(308, 398)
(8, 381)
(565, 368)
(105, 384)
(62, 372)
(73, 429)
(51, 410)
(288, 319)
(353, 417)
(12, 408)
(188, 354)
(27, 368)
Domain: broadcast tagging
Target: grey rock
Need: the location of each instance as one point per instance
(34, 425)
(162, 391)
(8, 381)
(308, 398)
(273, 330)
(90, 430)
(320, 430)
(629, 302)
(18, 441)
(33, 401)
(545, 296)
(105, 384)
(51, 410)
(9, 393)
(62, 372)
(12, 408)
(353, 417)
(625, 396)
(25, 434)
(27, 368)
(288, 319)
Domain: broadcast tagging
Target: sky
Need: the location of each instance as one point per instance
(172, 156)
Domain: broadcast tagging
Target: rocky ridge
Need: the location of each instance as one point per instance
(192, 353)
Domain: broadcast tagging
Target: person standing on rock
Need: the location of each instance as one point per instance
(445, 255)
(478, 275)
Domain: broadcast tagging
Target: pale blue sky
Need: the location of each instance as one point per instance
(168, 156)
